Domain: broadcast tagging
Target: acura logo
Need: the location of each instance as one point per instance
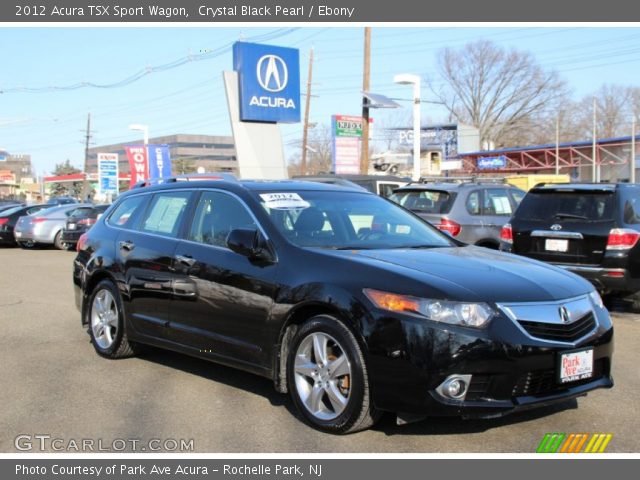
(556, 227)
(272, 73)
(564, 314)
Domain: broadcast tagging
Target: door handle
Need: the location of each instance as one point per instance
(126, 245)
(186, 260)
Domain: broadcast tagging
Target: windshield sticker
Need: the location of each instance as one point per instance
(284, 201)
(403, 229)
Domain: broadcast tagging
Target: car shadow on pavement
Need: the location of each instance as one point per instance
(457, 425)
(218, 373)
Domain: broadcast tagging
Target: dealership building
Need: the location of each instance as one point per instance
(212, 152)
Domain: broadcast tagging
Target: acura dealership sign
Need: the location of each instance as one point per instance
(269, 82)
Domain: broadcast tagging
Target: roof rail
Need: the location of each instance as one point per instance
(189, 177)
(472, 179)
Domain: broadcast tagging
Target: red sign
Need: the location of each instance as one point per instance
(138, 164)
(7, 176)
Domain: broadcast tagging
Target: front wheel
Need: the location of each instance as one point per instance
(106, 322)
(327, 377)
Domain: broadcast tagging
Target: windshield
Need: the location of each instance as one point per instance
(348, 220)
(424, 201)
(553, 206)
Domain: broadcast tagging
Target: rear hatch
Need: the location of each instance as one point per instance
(428, 204)
(565, 225)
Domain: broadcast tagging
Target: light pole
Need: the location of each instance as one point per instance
(409, 79)
(145, 132)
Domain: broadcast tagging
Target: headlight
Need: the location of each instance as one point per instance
(596, 299)
(455, 313)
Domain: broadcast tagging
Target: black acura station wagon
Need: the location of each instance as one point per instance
(345, 300)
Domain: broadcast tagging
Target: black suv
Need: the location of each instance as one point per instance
(345, 300)
(588, 229)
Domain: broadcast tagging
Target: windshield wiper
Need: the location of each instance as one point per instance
(350, 247)
(570, 215)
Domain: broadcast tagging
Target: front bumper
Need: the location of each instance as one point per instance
(409, 358)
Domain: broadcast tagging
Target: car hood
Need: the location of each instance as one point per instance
(475, 273)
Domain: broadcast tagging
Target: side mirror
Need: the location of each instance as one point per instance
(247, 242)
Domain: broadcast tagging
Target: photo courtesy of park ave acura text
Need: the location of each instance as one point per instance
(303, 237)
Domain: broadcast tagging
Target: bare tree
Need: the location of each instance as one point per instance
(319, 155)
(501, 92)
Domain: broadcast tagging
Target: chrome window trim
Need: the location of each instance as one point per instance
(504, 308)
(180, 239)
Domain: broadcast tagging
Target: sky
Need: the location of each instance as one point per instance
(43, 115)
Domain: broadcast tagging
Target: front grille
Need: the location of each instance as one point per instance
(560, 331)
(543, 382)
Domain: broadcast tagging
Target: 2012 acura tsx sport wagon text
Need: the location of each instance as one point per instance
(348, 302)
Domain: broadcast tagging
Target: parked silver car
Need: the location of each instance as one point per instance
(46, 226)
(471, 211)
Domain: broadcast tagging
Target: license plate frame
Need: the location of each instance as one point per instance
(560, 245)
(584, 356)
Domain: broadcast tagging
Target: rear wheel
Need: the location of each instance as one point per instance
(106, 322)
(57, 241)
(327, 377)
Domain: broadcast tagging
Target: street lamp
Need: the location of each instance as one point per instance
(144, 129)
(409, 79)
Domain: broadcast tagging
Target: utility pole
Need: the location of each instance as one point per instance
(305, 131)
(594, 149)
(558, 144)
(364, 152)
(632, 162)
(87, 141)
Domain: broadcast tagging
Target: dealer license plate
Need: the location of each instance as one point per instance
(17, 234)
(71, 226)
(555, 245)
(576, 365)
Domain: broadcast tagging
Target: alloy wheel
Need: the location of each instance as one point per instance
(322, 376)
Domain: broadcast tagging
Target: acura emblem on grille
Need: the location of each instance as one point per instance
(564, 314)
(556, 227)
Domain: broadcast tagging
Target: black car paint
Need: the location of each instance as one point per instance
(172, 304)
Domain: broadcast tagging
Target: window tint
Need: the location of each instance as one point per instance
(216, 215)
(424, 201)
(496, 202)
(578, 205)
(473, 203)
(33, 210)
(631, 211)
(123, 214)
(165, 212)
(386, 189)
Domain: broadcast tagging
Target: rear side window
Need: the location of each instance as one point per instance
(165, 212)
(496, 202)
(557, 205)
(631, 210)
(425, 201)
(125, 213)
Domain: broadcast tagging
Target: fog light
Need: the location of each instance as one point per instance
(454, 387)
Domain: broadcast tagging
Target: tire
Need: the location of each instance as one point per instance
(57, 241)
(105, 320)
(328, 402)
(393, 169)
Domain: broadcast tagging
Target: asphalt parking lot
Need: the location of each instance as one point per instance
(54, 384)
